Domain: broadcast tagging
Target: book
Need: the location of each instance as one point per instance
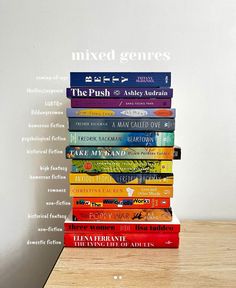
(119, 153)
(134, 139)
(120, 103)
(95, 190)
(122, 178)
(120, 79)
(120, 202)
(121, 124)
(122, 240)
(118, 227)
(122, 166)
(121, 112)
(119, 92)
(142, 215)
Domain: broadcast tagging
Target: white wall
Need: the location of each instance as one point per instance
(38, 37)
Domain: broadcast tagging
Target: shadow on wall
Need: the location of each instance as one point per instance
(33, 264)
(44, 197)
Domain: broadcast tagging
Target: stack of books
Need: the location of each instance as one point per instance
(121, 143)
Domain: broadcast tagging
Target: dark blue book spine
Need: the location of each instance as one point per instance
(120, 79)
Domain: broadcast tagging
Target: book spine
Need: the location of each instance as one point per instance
(150, 215)
(118, 227)
(120, 79)
(121, 190)
(119, 92)
(121, 124)
(113, 113)
(157, 153)
(120, 202)
(122, 166)
(122, 240)
(134, 139)
(121, 178)
(120, 103)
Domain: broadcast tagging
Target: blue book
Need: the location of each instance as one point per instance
(120, 79)
(121, 124)
(137, 139)
(120, 113)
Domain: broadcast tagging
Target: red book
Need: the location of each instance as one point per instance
(121, 227)
(122, 240)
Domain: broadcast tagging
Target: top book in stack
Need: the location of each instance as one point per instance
(120, 79)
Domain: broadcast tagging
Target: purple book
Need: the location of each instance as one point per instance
(119, 92)
(120, 103)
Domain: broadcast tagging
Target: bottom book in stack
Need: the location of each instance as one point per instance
(121, 234)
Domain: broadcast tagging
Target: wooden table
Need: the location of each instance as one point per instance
(206, 258)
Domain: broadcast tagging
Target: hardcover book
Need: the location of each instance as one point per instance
(122, 240)
(120, 79)
(119, 92)
(117, 227)
(142, 215)
(120, 202)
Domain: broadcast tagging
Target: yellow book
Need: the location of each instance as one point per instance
(122, 178)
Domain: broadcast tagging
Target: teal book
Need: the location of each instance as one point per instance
(138, 139)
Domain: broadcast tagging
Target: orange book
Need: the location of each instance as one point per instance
(141, 215)
(121, 190)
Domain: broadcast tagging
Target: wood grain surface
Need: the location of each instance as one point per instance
(206, 258)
